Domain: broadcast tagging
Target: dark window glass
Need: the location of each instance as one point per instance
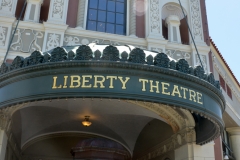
(111, 6)
(92, 14)
(110, 28)
(102, 4)
(93, 4)
(92, 25)
(101, 27)
(107, 16)
(102, 16)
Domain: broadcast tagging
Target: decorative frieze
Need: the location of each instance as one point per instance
(155, 24)
(8, 7)
(27, 40)
(177, 54)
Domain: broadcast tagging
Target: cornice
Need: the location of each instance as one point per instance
(234, 131)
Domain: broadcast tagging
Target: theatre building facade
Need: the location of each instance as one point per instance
(114, 79)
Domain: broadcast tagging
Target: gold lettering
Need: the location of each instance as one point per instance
(184, 92)
(176, 91)
(152, 86)
(124, 82)
(84, 81)
(199, 98)
(164, 87)
(192, 95)
(65, 81)
(144, 81)
(75, 79)
(55, 83)
(111, 80)
(100, 82)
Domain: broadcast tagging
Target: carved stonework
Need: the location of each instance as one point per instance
(3, 32)
(53, 41)
(196, 20)
(161, 60)
(137, 55)
(177, 54)
(17, 62)
(81, 11)
(84, 53)
(71, 41)
(8, 7)
(27, 40)
(132, 18)
(58, 9)
(58, 54)
(110, 53)
(155, 24)
(36, 58)
(182, 66)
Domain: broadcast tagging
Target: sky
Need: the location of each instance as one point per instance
(224, 29)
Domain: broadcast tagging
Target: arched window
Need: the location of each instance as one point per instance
(107, 16)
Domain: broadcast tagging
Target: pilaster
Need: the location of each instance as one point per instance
(81, 14)
(54, 35)
(132, 20)
(58, 11)
(8, 8)
(153, 20)
(235, 140)
(32, 12)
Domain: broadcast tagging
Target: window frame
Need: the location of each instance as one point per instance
(127, 11)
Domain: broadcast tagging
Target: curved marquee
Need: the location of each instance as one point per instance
(109, 74)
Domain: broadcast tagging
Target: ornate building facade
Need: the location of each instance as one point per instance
(124, 66)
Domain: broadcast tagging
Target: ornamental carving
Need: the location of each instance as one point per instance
(53, 41)
(27, 40)
(58, 9)
(71, 41)
(203, 60)
(58, 54)
(124, 56)
(199, 72)
(46, 57)
(84, 53)
(4, 68)
(150, 60)
(35, 58)
(172, 65)
(17, 62)
(71, 55)
(137, 55)
(182, 66)
(110, 53)
(177, 54)
(196, 19)
(2, 35)
(161, 60)
(154, 16)
(97, 55)
(6, 5)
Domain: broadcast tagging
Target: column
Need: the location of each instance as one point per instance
(58, 11)
(153, 19)
(8, 8)
(32, 12)
(132, 18)
(235, 141)
(191, 151)
(3, 144)
(173, 23)
(81, 14)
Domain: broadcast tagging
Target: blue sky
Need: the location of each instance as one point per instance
(224, 29)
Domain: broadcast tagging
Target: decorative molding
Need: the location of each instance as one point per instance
(204, 61)
(26, 45)
(155, 24)
(8, 7)
(3, 34)
(53, 41)
(172, 9)
(72, 41)
(81, 14)
(177, 54)
(196, 20)
(132, 30)
(58, 11)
